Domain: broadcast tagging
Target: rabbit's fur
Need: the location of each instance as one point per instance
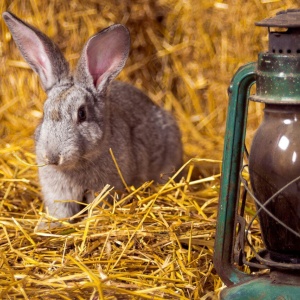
(87, 113)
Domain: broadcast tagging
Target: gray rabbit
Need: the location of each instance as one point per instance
(87, 113)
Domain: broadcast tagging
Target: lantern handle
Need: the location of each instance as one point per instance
(230, 184)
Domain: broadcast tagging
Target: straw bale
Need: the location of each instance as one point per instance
(155, 242)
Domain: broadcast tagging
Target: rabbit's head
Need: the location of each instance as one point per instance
(76, 113)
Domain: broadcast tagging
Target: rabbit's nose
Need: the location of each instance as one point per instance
(53, 159)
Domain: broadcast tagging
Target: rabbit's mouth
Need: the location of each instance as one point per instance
(59, 161)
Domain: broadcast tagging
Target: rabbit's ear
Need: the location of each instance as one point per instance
(38, 50)
(103, 57)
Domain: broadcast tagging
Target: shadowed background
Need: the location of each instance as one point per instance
(183, 55)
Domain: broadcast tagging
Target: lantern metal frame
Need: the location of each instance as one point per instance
(229, 255)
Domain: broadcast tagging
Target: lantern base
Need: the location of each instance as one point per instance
(274, 286)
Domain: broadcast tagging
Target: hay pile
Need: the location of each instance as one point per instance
(156, 242)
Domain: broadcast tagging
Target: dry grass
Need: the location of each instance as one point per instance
(156, 242)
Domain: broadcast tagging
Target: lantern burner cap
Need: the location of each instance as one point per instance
(286, 42)
(286, 18)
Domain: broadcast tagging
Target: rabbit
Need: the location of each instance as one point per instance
(87, 113)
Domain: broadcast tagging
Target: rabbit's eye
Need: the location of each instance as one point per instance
(81, 114)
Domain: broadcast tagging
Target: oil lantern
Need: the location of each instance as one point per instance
(274, 171)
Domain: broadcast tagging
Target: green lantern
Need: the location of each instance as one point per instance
(274, 168)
